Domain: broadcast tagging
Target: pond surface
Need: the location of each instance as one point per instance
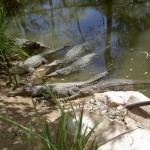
(118, 31)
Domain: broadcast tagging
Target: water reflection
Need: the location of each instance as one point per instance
(117, 30)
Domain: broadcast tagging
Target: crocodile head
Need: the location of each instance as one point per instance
(52, 74)
(25, 91)
(54, 63)
(33, 91)
(19, 69)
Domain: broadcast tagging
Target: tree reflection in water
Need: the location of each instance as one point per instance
(114, 27)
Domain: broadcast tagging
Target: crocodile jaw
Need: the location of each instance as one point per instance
(25, 91)
(15, 93)
(54, 63)
(52, 74)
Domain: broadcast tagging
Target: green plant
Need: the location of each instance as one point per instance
(8, 45)
(64, 140)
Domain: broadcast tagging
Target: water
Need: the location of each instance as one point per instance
(119, 33)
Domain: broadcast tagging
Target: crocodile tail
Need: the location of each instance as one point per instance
(142, 81)
(97, 77)
(94, 79)
(133, 82)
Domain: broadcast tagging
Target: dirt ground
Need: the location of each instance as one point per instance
(20, 109)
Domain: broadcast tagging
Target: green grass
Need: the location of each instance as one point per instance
(8, 45)
(64, 139)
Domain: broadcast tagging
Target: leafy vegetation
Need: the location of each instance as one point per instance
(8, 46)
(65, 138)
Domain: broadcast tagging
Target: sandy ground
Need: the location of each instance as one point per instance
(19, 109)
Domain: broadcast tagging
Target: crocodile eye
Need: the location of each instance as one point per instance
(57, 61)
(59, 72)
(28, 88)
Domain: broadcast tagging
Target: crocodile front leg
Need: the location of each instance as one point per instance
(72, 97)
(30, 69)
(73, 93)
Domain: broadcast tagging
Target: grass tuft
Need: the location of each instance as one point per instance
(65, 138)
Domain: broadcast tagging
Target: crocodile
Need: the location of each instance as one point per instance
(60, 89)
(74, 67)
(33, 62)
(25, 43)
(107, 85)
(70, 56)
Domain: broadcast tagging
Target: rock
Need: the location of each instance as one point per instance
(138, 139)
(105, 130)
(119, 107)
(116, 98)
(141, 115)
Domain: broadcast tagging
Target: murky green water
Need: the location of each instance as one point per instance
(119, 32)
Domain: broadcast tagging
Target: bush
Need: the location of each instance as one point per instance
(8, 45)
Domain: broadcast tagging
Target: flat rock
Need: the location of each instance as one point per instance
(105, 130)
(138, 139)
(115, 98)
